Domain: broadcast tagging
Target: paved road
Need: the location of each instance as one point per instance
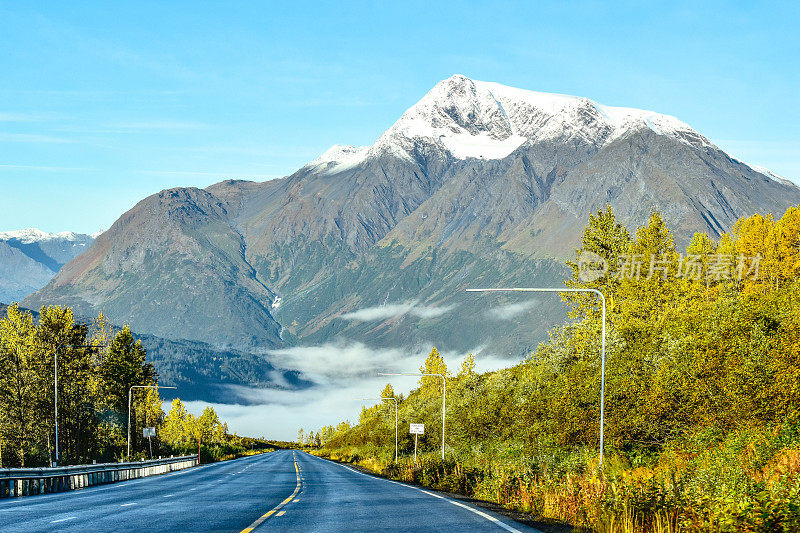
(278, 491)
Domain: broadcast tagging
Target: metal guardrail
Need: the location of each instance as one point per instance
(15, 482)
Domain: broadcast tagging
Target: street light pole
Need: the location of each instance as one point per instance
(395, 420)
(129, 409)
(603, 341)
(444, 394)
(55, 385)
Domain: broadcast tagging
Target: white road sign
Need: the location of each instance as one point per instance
(417, 429)
(149, 432)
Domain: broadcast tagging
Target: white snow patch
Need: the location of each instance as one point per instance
(481, 146)
(340, 157)
(771, 175)
(31, 235)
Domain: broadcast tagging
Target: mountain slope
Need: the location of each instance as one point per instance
(477, 183)
(167, 265)
(30, 258)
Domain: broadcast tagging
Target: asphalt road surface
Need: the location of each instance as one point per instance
(277, 491)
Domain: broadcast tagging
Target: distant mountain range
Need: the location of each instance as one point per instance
(476, 184)
(30, 258)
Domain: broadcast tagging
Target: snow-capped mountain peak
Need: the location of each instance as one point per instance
(31, 235)
(477, 119)
(485, 119)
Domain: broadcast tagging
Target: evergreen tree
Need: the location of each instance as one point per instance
(388, 391)
(434, 364)
(59, 337)
(608, 240)
(124, 366)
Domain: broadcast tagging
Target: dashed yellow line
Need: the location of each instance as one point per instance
(278, 507)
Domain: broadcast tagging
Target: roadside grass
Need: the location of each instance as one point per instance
(747, 480)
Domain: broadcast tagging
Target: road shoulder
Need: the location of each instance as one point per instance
(542, 524)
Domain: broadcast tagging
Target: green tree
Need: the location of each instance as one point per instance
(467, 367)
(59, 336)
(18, 381)
(209, 427)
(610, 241)
(124, 366)
(388, 391)
(434, 364)
(176, 430)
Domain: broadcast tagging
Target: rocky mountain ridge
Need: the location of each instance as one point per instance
(477, 183)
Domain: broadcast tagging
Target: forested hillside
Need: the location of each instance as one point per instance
(702, 424)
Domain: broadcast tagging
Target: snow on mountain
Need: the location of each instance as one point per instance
(477, 119)
(338, 158)
(33, 235)
(29, 258)
(767, 172)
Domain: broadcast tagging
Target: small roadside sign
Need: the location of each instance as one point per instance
(416, 430)
(149, 432)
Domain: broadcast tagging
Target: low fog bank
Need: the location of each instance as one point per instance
(342, 373)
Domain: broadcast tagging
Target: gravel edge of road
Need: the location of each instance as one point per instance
(542, 524)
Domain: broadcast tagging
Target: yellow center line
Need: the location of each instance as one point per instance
(277, 508)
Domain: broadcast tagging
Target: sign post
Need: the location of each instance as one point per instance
(149, 433)
(416, 430)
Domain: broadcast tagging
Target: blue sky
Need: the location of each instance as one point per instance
(104, 103)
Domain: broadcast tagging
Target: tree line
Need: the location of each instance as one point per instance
(96, 367)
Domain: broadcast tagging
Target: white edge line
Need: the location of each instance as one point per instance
(454, 502)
